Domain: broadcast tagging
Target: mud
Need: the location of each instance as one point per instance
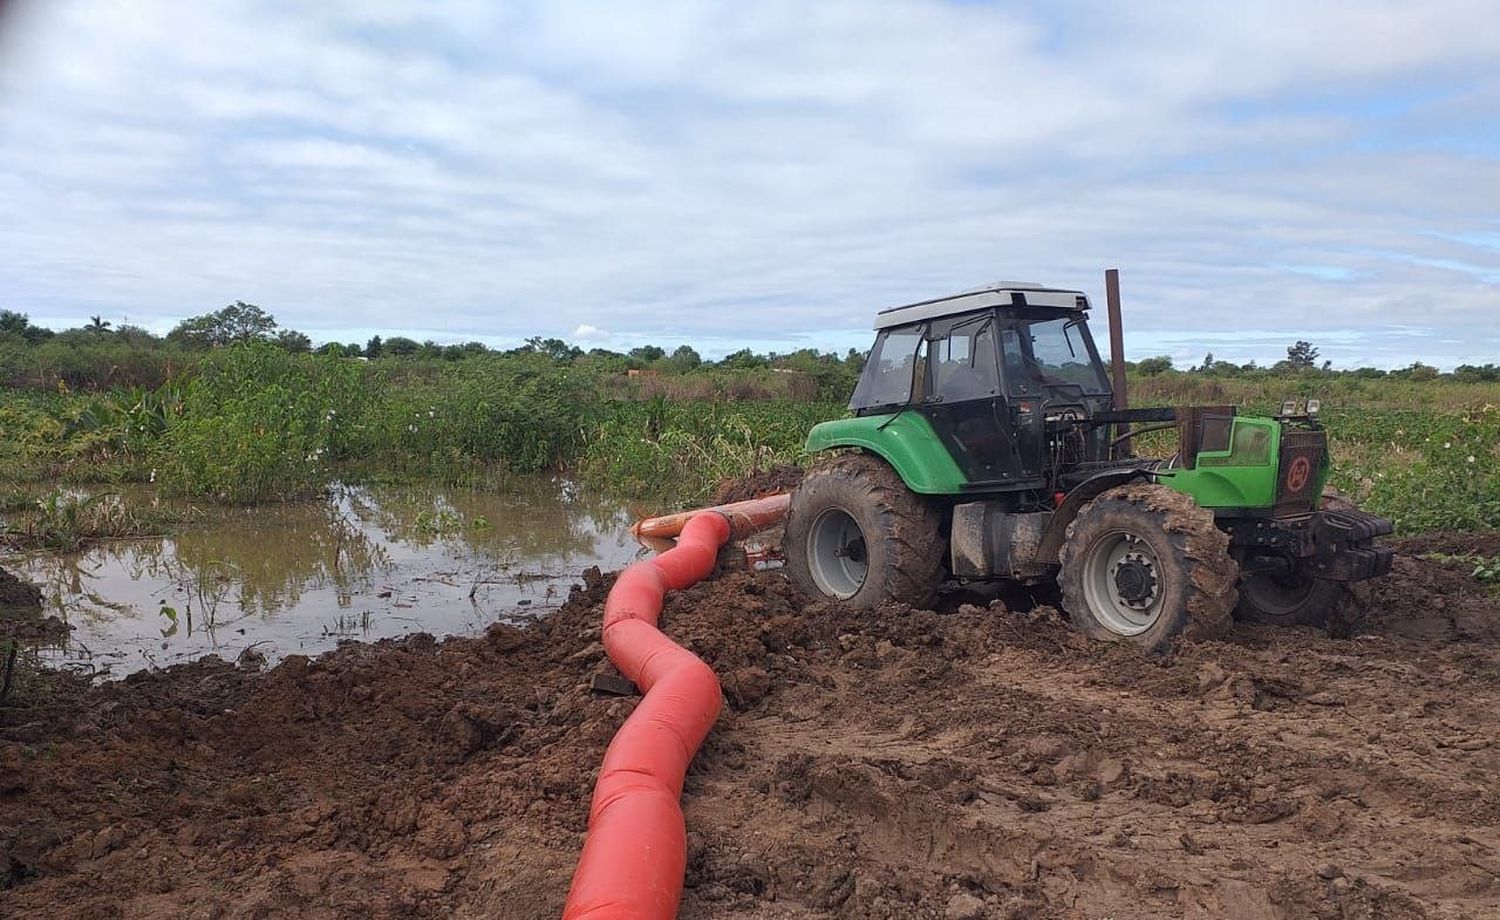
(781, 478)
(976, 762)
(15, 592)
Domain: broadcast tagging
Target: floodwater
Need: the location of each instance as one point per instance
(365, 563)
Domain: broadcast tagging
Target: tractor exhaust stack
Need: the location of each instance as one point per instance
(1116, 337)
(1119, 398)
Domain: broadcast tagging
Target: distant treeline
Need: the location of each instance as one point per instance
(99, 356)
(1302, 359)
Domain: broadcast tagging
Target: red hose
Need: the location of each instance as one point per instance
(636, 851)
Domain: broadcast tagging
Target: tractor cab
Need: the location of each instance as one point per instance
(993, 371)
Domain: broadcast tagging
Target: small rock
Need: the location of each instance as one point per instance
(1210, 675)
(747, 686)
(1110, 770)
(1329, 871)
(964, 906)
(591, 652)
(107, 841)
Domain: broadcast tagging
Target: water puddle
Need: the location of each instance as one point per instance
(367, 563)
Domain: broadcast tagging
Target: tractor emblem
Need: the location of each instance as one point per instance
(1298, 474)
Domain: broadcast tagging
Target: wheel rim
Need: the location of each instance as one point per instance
(836, 554)
(1122, 583)
(1277, 594)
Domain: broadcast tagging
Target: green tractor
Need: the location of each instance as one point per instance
(986, 444)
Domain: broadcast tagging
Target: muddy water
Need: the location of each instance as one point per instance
(366, 563)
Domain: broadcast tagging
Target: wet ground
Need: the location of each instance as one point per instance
(969, 763)
(366, 563)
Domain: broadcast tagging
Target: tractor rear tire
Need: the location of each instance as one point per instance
(1143, 564)
(856, 534)
(1301, 600)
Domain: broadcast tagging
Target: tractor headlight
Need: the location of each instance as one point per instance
(1289, 407)
(1313, 405)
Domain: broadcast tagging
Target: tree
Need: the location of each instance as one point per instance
(648, 353)
(238, 322)
(556, 349)
(744, 359)
(19, 324)
(685, 358)
(1301, 355)
(1151, 367)
(293, 341)
(401, 345)
(1474, 373)
(1420, 373)
(374, 347)
(98, 325)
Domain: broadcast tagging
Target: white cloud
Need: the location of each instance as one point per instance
(713, 172)
(587, 333)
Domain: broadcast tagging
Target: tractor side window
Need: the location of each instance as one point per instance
(964, 363)
(887, 378)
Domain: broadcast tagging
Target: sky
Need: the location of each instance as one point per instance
(763, 175)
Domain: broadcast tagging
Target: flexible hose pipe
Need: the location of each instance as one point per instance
(634, 857)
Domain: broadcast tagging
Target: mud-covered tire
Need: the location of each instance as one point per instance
(1282, 600)
(1180, 559)
(903, 541)
(1289, 600)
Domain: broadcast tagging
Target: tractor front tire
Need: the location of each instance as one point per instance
(1143, 564)
(1298, 599)
(856, 534)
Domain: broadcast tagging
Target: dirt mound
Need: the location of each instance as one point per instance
(974, 762)
(17, 593)
(781, 478)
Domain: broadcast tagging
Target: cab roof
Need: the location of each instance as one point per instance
(999, 294)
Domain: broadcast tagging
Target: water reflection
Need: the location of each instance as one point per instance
(367, 562)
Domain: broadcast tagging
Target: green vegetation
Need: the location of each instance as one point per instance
(232, 408)
(1483, 569)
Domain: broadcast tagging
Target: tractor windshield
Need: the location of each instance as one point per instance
(1049, 353)
(887, 378)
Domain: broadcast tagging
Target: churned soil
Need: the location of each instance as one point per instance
(783, 477)
(975, 762)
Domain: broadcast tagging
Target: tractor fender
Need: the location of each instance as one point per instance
(1091, 488)
(905, 440)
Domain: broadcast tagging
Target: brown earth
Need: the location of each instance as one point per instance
(17, 593)
(972, 763)
(780, 478)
